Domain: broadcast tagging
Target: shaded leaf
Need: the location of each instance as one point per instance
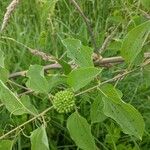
(79, 78)
(96, 111)
(37, 82)
(39, 140)
(66, 67)
(80, 132)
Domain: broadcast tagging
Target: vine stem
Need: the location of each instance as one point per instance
(119, 76)
(88, 90)
(32, 119)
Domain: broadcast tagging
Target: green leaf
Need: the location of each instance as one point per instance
(55, 80)
(37, 82)
(110, 92)
(129, 119)
(25, 99)
(11, 101)
(66, 67)
(2, 59)
(39, 140)
(96, 111)
(80, 132)
(133, 42)
(6, 145)
(4, 74)
(146, 75)
(76, 51)
(79, 78)
(146, 4)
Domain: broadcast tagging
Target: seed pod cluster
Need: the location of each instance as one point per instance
(64, 101)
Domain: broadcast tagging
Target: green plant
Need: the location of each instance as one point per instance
(88, 86)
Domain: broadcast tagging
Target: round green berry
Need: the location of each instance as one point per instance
(64, 101)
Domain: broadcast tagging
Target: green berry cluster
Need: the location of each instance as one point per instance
(64, 101)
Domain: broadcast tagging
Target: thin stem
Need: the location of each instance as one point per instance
(32, 119)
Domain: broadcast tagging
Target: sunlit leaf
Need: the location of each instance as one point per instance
(79, 78)
(11, 101)
(133, 42)
(4, 74)
(37, 82)
(76, 51)
(129, 119)
(2, 59)
(6, 145)
(25, 99)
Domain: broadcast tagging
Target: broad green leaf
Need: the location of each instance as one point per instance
(146, 4)
(96, 111)
(110, 92)
(79, 78)
(80, 132)
(76, 51)
(146, 75)
(85, 59)
(4, 74)
(133, 42)
(2, 59)
(39, 140)
(11, 101)
(129, 119)
(72, 45)
(25, 99)
(37, 82)
(6, 145)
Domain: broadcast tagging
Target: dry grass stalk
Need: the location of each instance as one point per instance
(43, 55)
(8, 13)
